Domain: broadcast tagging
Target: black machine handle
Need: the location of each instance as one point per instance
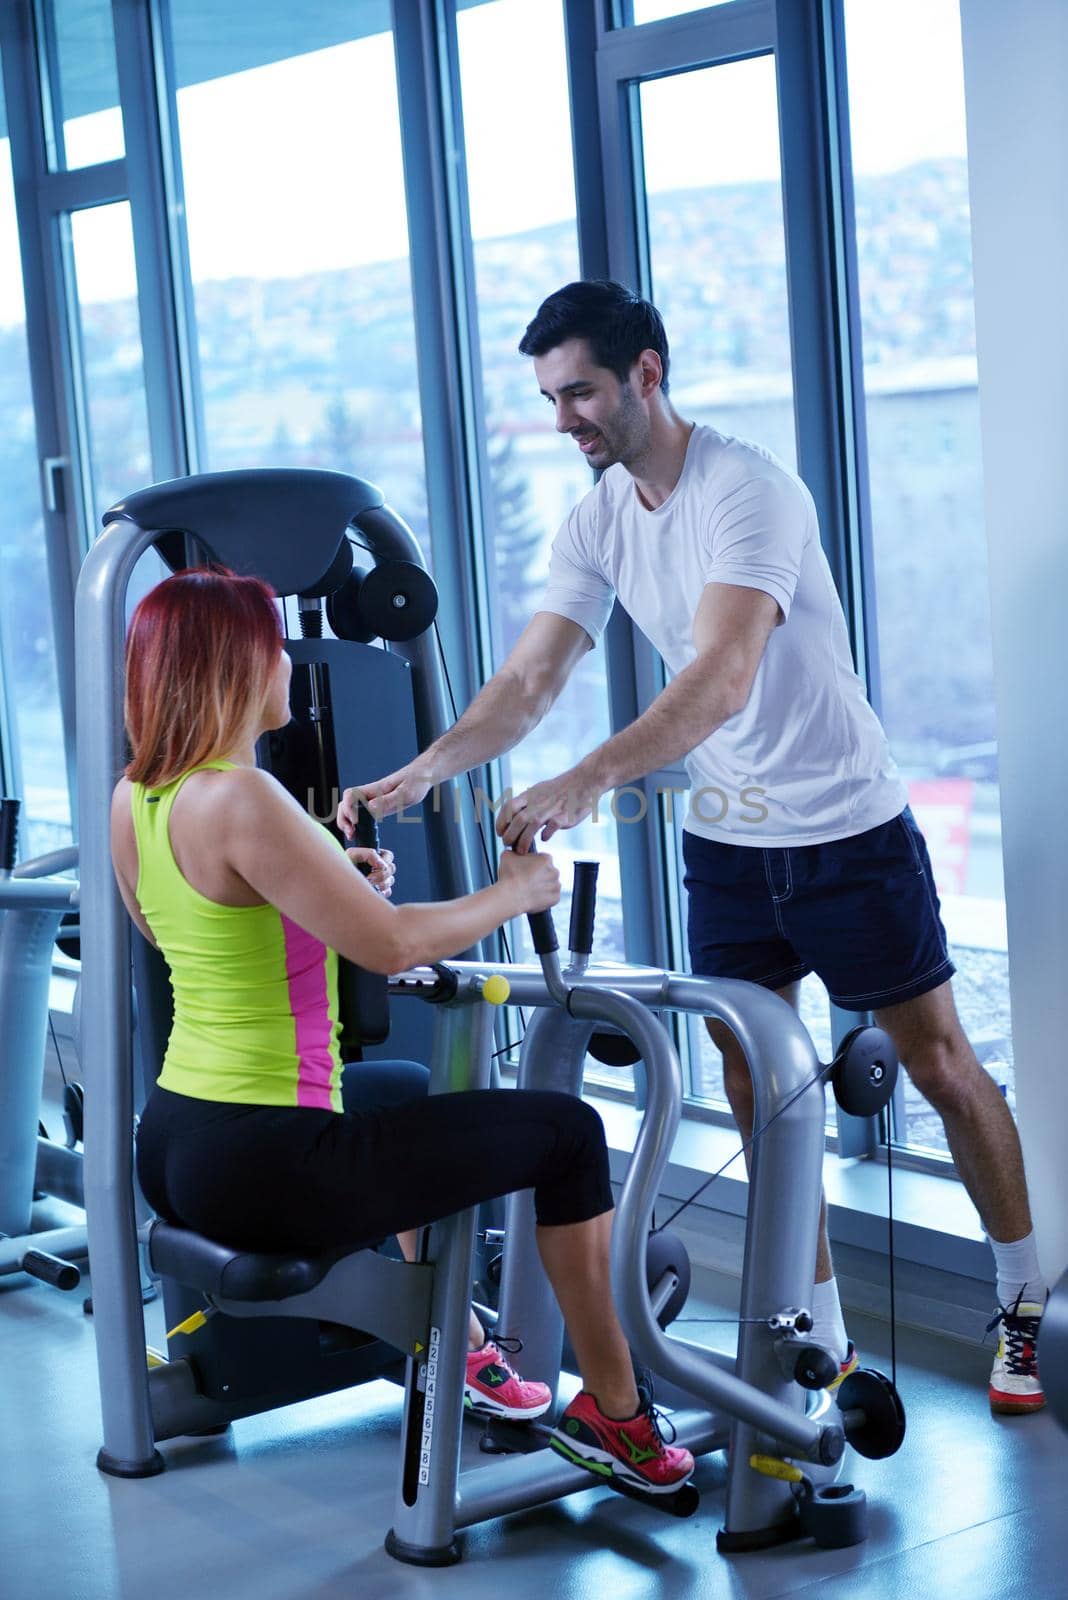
(50, 1269)
(583, 907)
(363, 997)
(9, 833)
(366, 833)
(542, 926)
(543, 933)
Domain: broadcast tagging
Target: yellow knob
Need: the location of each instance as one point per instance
(496, 990)
(772, 1467)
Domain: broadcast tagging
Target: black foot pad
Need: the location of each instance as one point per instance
(116, 1467)
(730, 1543)
(421, 1555)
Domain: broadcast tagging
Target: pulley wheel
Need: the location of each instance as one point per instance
(398, 600)
(864, 1072)
(344, 614)
(872, 1414)
(666, 1253)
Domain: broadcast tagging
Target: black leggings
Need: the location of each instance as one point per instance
(290, 1179)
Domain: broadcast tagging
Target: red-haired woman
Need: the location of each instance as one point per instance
(245, 1137)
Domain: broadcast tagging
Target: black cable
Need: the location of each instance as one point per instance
(890, 1244)
(490, 873)
(55, 1047)
(743, 1148)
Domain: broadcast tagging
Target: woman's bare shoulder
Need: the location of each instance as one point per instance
(237, 803)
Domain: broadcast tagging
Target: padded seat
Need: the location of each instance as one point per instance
(217, 1269)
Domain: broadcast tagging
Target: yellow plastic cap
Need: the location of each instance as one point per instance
(496, 990)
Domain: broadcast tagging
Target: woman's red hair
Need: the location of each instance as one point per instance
(200, 656)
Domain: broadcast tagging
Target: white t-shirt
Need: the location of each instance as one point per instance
(807, 760)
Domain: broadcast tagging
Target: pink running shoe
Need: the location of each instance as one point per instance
(633, 1451)
(494, 1389)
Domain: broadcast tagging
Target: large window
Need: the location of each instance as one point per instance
(34, 755)
(936, 672)
(86, 121)
(522, 200)
(717, 245)
(717, 252)
(112, 362)
(298, 244)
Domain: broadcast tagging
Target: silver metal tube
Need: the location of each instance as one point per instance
(782, 1220)
(18, 894)
(552, 1057)
(67, 1243)
(651, 1153)
(27, 936)
(60, 1172)
(425, 1502)
(106, 1045)
(63, 860)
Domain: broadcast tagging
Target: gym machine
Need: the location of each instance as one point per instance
(34, 899)
(785, 1436)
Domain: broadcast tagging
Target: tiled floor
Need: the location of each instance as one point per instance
(297, 1503)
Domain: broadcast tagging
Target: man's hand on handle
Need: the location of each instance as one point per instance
(545, 808)
(406, 787)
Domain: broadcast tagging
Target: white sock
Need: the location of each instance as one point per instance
(828, 1328)
(1019, 1274)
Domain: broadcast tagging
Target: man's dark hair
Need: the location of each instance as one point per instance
(616, 323)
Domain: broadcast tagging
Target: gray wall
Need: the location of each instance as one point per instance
(1016, 67)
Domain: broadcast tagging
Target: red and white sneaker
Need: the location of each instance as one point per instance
(1015, 1386)
(494, 1389)
(633, 1451)
(850, 1364)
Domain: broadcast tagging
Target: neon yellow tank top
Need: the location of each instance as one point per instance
(255, 996)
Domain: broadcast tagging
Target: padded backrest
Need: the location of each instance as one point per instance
(282, 523)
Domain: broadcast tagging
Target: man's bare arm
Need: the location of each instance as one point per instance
(731, 628)
(512, 703)
(515, 699)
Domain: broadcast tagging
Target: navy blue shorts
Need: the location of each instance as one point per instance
(861, 912)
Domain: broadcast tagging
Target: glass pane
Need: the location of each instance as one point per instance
(86, 98)
(653, 10)
(517, 134)
(717, 244)
(931, 587)
(28, 685)
(710, 144)
(299, 249)
(112, 361)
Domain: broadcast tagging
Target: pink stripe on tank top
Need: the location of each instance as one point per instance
(306, 976)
